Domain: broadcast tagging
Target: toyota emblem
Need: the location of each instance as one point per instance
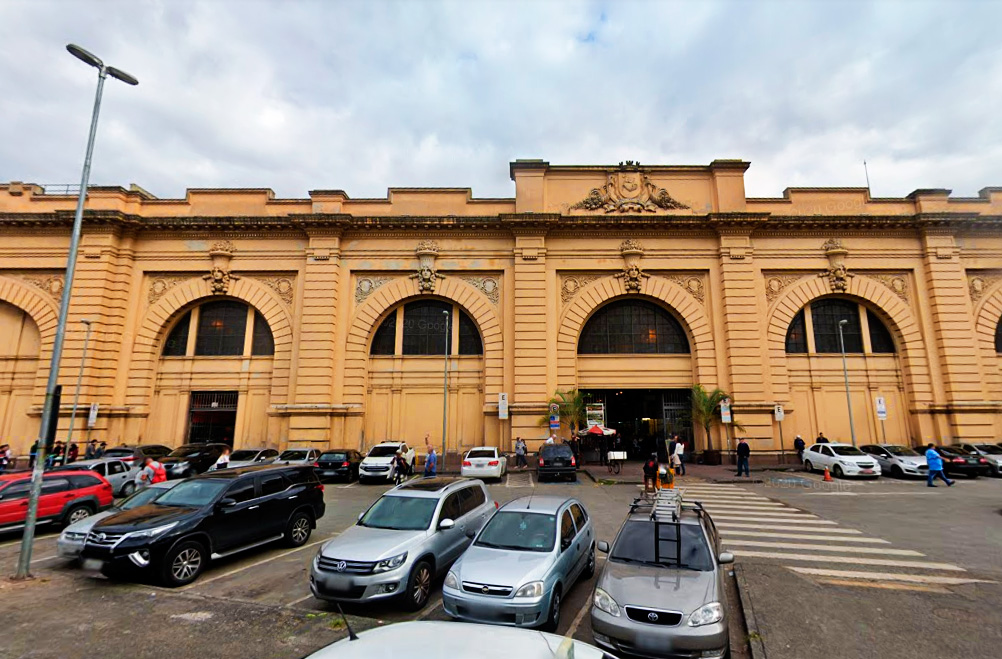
(485, 590)
(101, 537)
(653, 617)
(340, 566)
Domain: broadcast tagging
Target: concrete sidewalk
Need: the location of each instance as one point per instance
(632, 471)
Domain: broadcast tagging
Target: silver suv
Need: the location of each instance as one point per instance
(410, 535)
(662, 593)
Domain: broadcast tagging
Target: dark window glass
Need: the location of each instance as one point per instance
(880, 337)
(427, 331)
(579, 516)
(826, 315)
(796, 335)
(469, 336)
(99, 469)
(115, 468)
(633, 327)
(176, 344)
(18, 490)
(221, 329)
(79, 481)
(636, 542)
(262, 343)
(273, 484)
(473, 498)
(385, 340)
(567, 531)
(998, 337)
(241, 491)
(452, 508)
(54, 485)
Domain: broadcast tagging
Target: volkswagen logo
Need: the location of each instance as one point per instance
(653, 617)
(340, 566)
(485, 590)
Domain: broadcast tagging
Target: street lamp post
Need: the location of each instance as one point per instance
(845, 372)
(446, 314)
(50, 415)
(76, 395)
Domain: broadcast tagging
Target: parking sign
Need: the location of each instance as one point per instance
(725, 410)
(780, 414)
(881, 408)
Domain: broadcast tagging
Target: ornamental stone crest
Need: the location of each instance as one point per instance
(629, 190)
(219, 276)
(486, 285)
(571, 285)
(282, 286)
(161, 284)
(837, 274)
(979, 283)
(366, 286)
(426, 275)
(633, 277)
(51, 284)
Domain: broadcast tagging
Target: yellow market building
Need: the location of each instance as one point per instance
(234, 315)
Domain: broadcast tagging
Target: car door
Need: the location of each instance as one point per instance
(117, 475)
(14, 502)
(451, 542)
(583, 539)
(55, 495)
(277, 501)
(476, 510)
(567, 559)
(827, 458)
(237, 525)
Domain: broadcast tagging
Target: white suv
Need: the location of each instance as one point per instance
(842, 460)
(378, 463)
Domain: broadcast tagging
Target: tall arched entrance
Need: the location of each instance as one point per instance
(20, 344)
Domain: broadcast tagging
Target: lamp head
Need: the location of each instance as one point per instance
(85, 56)
(843, 323)
(122, 75)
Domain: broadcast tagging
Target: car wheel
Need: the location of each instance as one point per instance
(553, 620)
(574, 478)
(183, 563)
(589, 570)
(896, 472)
(128, 489)
(298, 531)
(418, 586)
(837, 472)
(76, 513)
(808, 467)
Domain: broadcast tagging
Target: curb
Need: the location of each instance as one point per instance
(755, 643)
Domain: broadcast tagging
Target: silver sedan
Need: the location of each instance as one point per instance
(897, 460)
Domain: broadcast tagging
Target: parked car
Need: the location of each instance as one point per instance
(662, 591)
(71, 541)
(116, 471)
(67, 497)
(378, 462)
(247, 457)
(484, 462)
(411, 534)
(135, 454)
(191, 459)
(207, 517)
(842, 460)
(299, 456)
(897, 460)
(990, 452)
(557, 461)
(958, 462)
(522, 564)
(340, 463)
(427, 638)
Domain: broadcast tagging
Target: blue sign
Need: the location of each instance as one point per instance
(554, 422)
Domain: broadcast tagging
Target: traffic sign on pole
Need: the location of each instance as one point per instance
(725, 410)
(881, 408)
(502, 406)
(780, 414)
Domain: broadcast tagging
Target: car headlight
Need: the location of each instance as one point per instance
(451, 580)
(531, 589)
(707, 614)
(390, 563)
(603, 602)
(150, 533)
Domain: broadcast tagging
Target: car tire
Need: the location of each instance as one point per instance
(837, 472)
(298, 530)
(418, 586)
(183, 563)
(553, 617)
(76, 513)
(574, 478)
(589, 570)
(896, 472)
(808, 467)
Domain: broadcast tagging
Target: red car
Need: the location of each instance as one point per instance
(67, 497)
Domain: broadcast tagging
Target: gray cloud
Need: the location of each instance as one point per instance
(366, 95)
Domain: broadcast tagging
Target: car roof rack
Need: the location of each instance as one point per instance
(666, 508)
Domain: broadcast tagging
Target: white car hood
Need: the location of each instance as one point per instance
(378, 461)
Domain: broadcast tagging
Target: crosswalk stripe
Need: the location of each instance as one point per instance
(755, 508)
(883, 551)
(887, 576)
(799, 536)
(775, 519)
(775, 526)
(744, 502)
(856, 560)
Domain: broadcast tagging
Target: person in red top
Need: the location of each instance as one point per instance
(152, 472)
(651, 473)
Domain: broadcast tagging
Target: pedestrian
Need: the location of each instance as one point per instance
(32, 453)
(935, 462)
(399, 468)
(550, 439)
(431, 462)
(636, 447)
(152, 472)
(520, 454)
(54, 459)
(223, 461)
(743, 452)
(678, 457)
(603, 450)
(101, 449)
(73, 453)
(821, 438)
(91, 451)
(4, 457)
(651, 473)
(799, 444)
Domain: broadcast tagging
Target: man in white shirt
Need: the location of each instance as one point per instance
(550, 439)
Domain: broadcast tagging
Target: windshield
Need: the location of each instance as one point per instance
(400, 513)
(142, 497)
(119, 453)
(382, 451)
(900, 450)
(847, 450)
(555, 450)
(292, 455)
(243, 456)
(193, 494)
(520, 530)
(635, 544)
(334, 457)
(185, 452)
(481, 453)
(990, 449)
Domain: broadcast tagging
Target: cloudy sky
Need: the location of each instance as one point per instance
(301, 95)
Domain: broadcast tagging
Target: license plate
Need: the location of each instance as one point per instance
(93, 564)
(328, 472)
(867, 471)
(479, 465)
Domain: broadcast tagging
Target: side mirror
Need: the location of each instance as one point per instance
(603, 546)
(446, 524)
(360, 515)
(471, 533)
(226, 502)
(725, 558)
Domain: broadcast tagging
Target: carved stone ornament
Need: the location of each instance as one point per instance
(898, 283)
(837, 274)
(51, 284)
(629, 190)
(282, 286)
(486, 285)
(427, 277)
(571, 285)
(161, 284)
(978, 284)
(219, 280)
(633, 277)
(692, 284)
(222, 247)
(366, 286)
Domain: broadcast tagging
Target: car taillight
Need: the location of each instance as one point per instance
(983, 460)
(960, 460)
(345, 464)
(321, 487)
(316, 464)
(467, 463)
(541, 462)
(493, 463)
(574, 462)
(496, 506)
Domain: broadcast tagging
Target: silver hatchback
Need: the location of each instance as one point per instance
(408, 536)
(522, 564)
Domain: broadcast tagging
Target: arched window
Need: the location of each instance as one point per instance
(385, 340)
(427, 331)
(880, 336)
(796, 336)
(998, 337)
(176, 344)
(823, 323)
(262, 343)
(220, 330)
(469, 336)
(632, 327)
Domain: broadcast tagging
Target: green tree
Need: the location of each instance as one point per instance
(706, 409)
(571, 406)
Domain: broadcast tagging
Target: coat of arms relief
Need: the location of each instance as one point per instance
(629, 190)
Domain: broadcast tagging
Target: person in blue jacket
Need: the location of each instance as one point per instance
(935, 462)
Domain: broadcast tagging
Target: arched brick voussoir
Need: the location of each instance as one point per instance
(43, 310)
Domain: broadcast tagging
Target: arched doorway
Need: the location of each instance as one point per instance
(20, 344)
(419, 348)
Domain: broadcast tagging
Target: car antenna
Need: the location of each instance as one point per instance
(352, 636)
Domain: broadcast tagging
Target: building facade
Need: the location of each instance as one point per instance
(331, 321)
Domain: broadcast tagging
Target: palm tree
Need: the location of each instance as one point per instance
(706, 409)
(571, 406)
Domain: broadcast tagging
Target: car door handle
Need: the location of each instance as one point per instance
(294, 496)
(253, 507)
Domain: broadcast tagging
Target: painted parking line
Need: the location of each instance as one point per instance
(753, 507)
(885, 586)
(293, 604)
(781, 526)
(799, 536)
(345, 487)
(855, 560)
(429, 608)
(585, 607)
(883, 551)
(888, 576)
(751, 501)
(216, 577)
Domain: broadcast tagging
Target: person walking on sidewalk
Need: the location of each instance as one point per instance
(799, 445)
(520, 452)
(935, 462)
(677, 459)
(399, 468)
(743, 452)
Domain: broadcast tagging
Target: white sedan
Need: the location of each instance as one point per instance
(484, 462)
(842, 460)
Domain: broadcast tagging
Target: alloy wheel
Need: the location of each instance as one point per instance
(555, 613)
(300, 530)
(79, 514)
(422, 585)
(185, 564)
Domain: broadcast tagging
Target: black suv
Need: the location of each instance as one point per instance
(557, 460)
(190, 459)
(207, 517)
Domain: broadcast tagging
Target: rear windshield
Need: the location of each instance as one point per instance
(990, 449)
(900, 450)
(953, 450)
(847, 450)
(382, 451)
(334, 457)
(520, 530)
(119, 453)
(481, 453)
(555, 450)
(292, 455)
(635, 544)
(243, 456)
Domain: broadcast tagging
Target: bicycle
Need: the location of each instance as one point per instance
(614, 460)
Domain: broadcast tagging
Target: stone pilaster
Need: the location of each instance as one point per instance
(530, 394)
